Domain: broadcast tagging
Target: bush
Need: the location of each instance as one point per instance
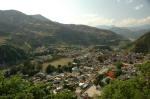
(98, 79)
(119, 65)
(118, 72)
(107, 80)
(50, 69)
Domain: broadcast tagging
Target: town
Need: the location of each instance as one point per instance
(91, 68)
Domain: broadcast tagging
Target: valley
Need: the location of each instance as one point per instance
(44, 59)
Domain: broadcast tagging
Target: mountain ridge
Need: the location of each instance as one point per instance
(36, 32)
(131, 33)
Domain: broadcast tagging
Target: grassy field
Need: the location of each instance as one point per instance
(62, 61)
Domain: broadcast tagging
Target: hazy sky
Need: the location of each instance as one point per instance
(89, 12)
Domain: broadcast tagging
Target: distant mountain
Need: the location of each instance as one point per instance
(104, 37)
(131, 33)
(105, 27)
(142, 44)
(36, 30)
(137, 28)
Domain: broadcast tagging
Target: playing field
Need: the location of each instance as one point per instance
(62, 61)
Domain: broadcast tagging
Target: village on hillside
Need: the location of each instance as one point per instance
(92, 69)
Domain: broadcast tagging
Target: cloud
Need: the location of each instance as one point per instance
(96, 20)
(138, 7)
(93, 20)
(130, 1)
(133, 22)
(118, 0)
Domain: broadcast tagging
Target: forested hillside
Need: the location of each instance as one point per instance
(142, 44)
(10, 55)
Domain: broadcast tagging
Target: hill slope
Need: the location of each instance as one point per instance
(142, 44)
(10, 55)
(128, 33)
(35, 31)
(40, 17)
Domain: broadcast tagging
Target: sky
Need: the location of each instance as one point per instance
(121, 13)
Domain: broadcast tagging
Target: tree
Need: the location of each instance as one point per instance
(13, 70)
(50, 69)
(118, 72)
(39, 66)
(100, 59)
(76, 60)
(64, 94)
(98, 79)
(129, 89)
(107, 80)
(119, 65)
(29, 68)
(15, 88)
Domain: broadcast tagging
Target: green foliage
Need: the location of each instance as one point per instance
(10, 55)
(39, 66)
(135, 88)
(30, 68)
(15, 88)
(141, 45)
(107, 80)
(27, 68)
(100, 59)
(11, 86)
(25, 29)
(119, 65)
(76, 60)
(59, 69)
(50, 69)
(98, 79)
(144, 68)
(130, 89)
(50, 51)
(65, 94)
(118, 72)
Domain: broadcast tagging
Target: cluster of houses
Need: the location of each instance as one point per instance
(61, 51)
(83, 74)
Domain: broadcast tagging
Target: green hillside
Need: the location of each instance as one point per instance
(142, 44)
(10, 55)
(38, 31)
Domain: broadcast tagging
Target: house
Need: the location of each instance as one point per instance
(41, 75)
(58, 88)
(75, 69)
(104, 80)
(83, 85)
(111, 74)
